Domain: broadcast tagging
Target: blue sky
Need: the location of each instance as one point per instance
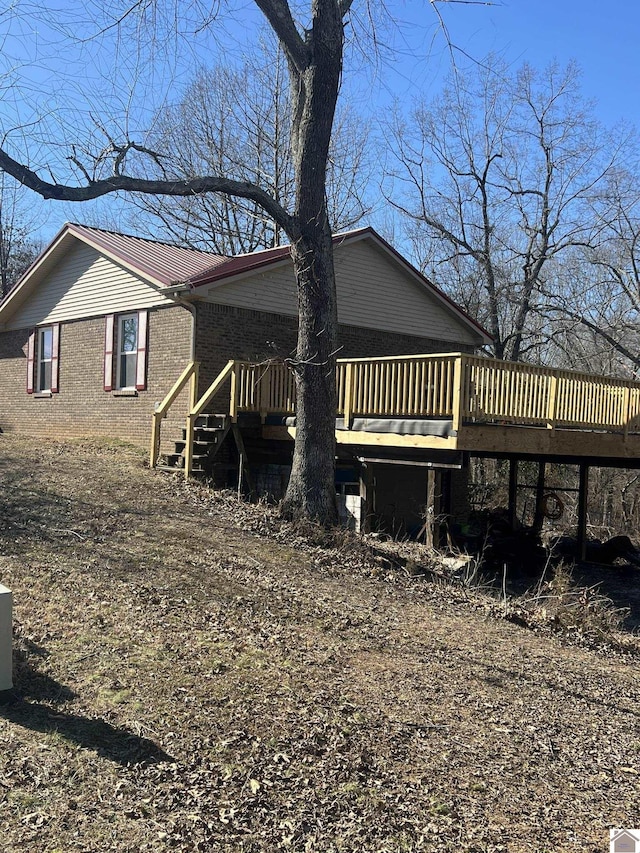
(51, 77)
(602, 39)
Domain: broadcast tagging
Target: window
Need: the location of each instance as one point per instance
(127, 337)
(125, 352)
(43, 356)
(45, 352)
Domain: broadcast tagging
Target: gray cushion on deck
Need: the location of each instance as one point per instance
(397, 426)
(401, 426)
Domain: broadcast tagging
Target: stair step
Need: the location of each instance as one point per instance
(170, 469)
(176, 460)
(202, 446)
(211, 434)
(208, 421)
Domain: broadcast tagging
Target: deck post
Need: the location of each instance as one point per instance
(538, 516)
(243, 464)
(430, 510)
(154, 451)
(513, 492)
(233, 394)
(348, 394)
(188, 447)
(458, 395)
(583, 493)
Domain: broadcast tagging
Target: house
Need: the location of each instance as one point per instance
(97, 332)
(624, 841)
(102, 324)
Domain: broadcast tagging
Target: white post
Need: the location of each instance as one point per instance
(6, 630)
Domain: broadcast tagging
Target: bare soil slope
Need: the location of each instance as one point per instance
(192, 676)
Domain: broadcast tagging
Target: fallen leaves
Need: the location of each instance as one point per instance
(196, 675)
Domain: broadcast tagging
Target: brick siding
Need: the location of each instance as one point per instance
(82, 407)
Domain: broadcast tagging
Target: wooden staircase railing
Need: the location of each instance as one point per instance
(189, 374)
(228, 371)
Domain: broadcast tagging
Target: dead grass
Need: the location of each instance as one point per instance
(192, 675)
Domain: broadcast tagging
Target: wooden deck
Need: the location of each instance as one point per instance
(494, 407)
(469, 403)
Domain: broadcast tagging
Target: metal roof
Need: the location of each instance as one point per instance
(164, 262)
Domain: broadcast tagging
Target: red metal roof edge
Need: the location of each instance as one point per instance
(254, 260)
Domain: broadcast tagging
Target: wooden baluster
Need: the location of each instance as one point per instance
(348, 394)
(458, 395)
(626, 409)
(552, 401)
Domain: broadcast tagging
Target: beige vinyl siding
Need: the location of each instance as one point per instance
(85, 284)
(374, 292)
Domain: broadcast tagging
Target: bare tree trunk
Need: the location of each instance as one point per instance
(311, 491)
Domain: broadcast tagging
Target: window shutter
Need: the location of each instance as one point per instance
(55, 357)
(31, 361)
(141, 364)
(109, 339)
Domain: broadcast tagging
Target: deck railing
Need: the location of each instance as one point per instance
(525, 394)
(464, 388)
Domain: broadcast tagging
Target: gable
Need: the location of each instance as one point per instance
(374, 292)
(377, 292)
(83, 284)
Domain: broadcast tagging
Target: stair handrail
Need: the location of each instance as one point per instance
(196, 408)
(189, 374)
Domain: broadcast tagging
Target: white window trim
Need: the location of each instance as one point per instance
(40, 361)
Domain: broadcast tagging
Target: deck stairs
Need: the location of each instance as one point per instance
(209, 434)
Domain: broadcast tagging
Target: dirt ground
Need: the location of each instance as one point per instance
(192, 675)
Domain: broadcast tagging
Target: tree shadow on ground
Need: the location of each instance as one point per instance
(619, 583)
(32, 704)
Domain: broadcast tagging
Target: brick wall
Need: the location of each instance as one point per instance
(82, 407)
(225, 332)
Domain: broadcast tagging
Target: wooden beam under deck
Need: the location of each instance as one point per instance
(494, 439)
(498, 440)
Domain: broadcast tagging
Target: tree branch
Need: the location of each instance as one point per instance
(186, 187)
(278, 14)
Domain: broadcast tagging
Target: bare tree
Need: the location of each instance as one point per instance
(498, 174)
(604, 292)
(17, 248)
(236, 121)
(313, 44)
